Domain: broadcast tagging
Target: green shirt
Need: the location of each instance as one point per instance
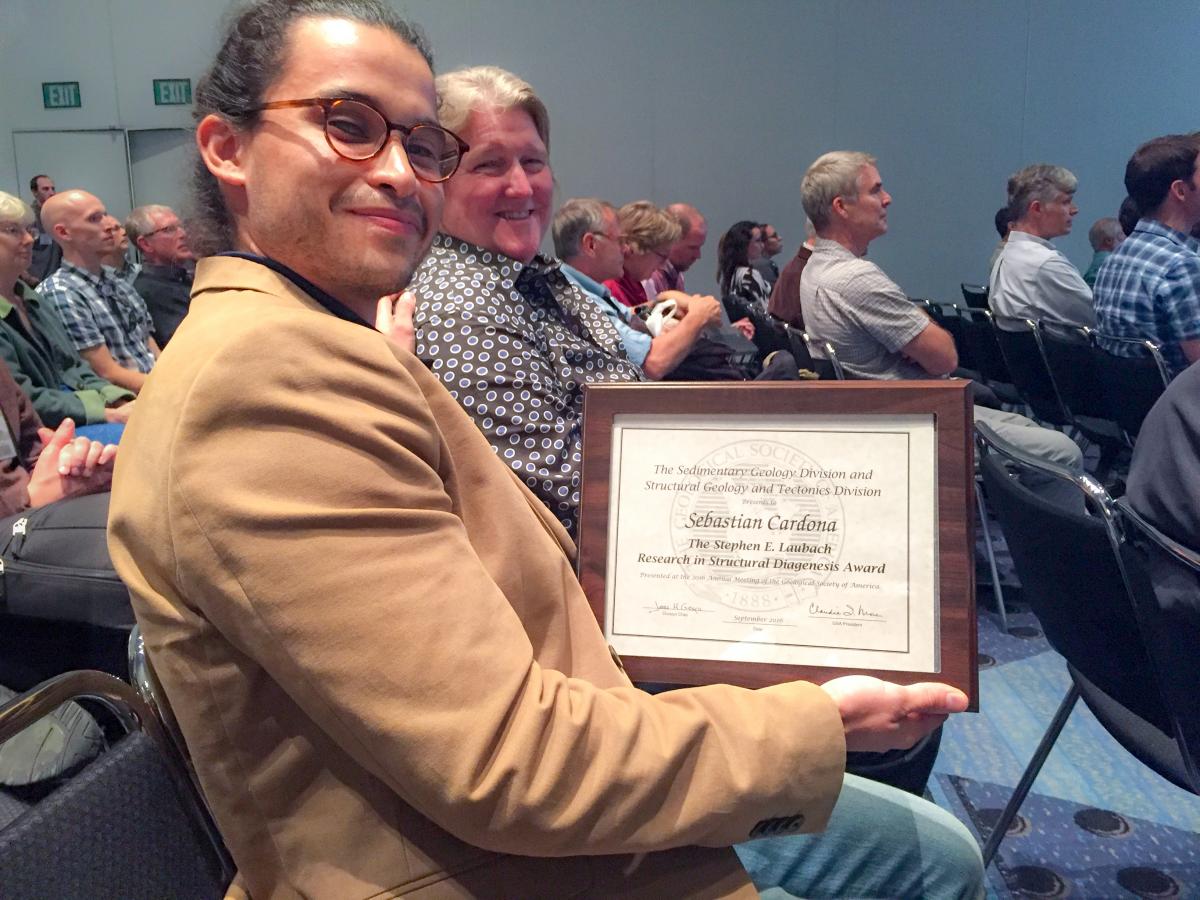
(47, 366)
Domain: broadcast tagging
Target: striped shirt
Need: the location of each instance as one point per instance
(102, 309)
(1150, 289)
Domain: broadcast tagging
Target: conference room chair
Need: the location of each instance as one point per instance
(128, 826)
(979, 340)
(1085, 591)
(975, 295)
(1129, 385)
(1070, 358)
(949, 317)
(824, 358)
(1025, 355)
(799, 347)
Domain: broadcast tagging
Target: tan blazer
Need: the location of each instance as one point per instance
(376, 647)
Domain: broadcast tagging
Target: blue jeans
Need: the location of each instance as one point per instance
(880, 843)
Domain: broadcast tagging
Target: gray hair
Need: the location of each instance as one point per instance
(463, 91)
(140, 222)
(14, 209)
(1104, 230)
(574, 219)
(833, 175)
(1040, 182)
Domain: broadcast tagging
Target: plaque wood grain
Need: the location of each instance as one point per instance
(948, 401)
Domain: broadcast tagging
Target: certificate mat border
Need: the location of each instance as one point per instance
(948, 401)
(610, 626)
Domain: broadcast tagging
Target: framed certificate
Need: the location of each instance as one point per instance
(766, 532)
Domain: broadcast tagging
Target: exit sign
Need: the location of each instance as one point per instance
(172, 92)
(61, 95)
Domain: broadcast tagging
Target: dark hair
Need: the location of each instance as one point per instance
(1156, 165)
(1003, 221)
(731, 251)
(1128, 216)
(250, 59)
(34, 180)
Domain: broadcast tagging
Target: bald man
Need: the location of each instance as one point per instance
(105, 317)
(685, 252)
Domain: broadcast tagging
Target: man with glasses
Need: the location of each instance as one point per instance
(103, 314)
(165, 281)
(387, 675)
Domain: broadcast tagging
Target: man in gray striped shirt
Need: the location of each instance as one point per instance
(875, 329)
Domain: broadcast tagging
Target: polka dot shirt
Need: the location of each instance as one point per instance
(514, 344)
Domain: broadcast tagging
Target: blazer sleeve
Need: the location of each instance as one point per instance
(314, 520)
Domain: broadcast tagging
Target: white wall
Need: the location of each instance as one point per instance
(725, 102)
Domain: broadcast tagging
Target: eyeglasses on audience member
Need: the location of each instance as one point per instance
(358, 131)
(14, 229)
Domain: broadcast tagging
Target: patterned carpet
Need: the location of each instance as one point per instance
(1097, 824)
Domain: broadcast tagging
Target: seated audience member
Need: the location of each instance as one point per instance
(119, 259)
(106, 319)
(765, 264)
(1031, 278)
(47, 255)
(744, 293)
(165, 282)
(785, 296)
(1003, 221)
(647, 235)
(875, 329)
(1128, 216)
(1164, 477)
(511, 337)
(34, 345)
(39, 465)
(469, 732)
(693, 232)
(587, 238)
(1149, 288)
(1105, 236)
(684, 254)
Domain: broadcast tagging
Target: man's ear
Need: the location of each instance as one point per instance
(838, 206)
(220, 146)
(1178, 189)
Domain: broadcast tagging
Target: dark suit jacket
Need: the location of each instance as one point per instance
(371, 633)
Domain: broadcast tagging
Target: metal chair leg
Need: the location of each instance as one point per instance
(1030, 776)
(991, 555)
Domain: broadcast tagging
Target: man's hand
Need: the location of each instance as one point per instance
(879, 715)
(703, 310)
(394, 318)
(746, 327)
(119, 414)
(69, 466)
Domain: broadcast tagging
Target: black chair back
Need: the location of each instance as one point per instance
(975, 295)
(948, 315)
(1129, 385)
(1164, 580)
(979, 340)
(799, 348)
(1070, 575)
(129, 825)
(1018, 339)
(1071, 361)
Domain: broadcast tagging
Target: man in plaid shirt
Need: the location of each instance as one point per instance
(105, 317)
(1150, 287)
